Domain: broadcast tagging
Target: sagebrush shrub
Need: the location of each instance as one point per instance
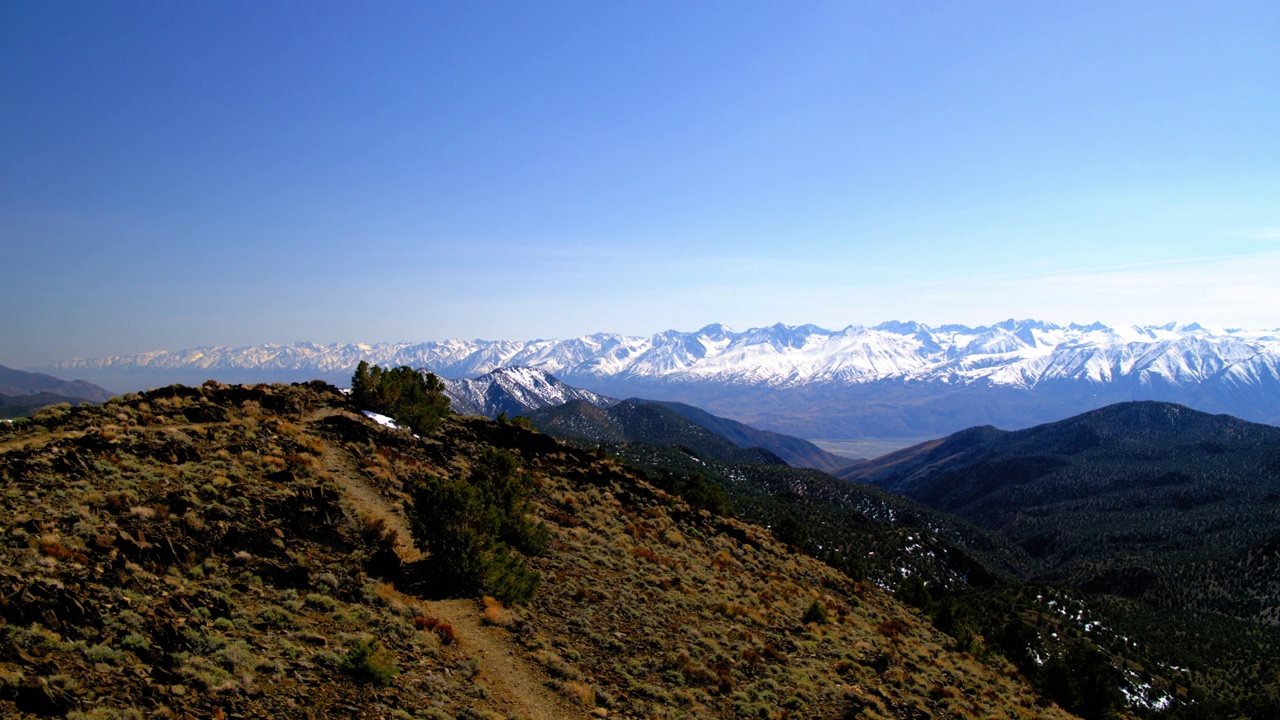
(368, 662)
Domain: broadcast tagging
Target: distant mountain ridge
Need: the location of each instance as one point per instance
(17, 382)
(894, 379)
(22, 393)
(574, 412)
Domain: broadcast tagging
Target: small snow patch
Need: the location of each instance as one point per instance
(382, 420)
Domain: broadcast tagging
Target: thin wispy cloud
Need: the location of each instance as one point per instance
(1263, 234)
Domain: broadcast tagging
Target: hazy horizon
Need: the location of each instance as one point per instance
(179, 176)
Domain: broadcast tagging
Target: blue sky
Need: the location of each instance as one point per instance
(209, 173)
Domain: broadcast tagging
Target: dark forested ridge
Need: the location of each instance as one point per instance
(513, 391)
(1145, 500)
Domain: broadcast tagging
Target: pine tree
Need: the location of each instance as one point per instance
(413, 399)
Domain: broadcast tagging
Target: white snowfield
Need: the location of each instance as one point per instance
(1021, 354)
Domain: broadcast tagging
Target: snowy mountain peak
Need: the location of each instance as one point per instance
(515, 390)
(1094, 327)
(714, 331)
(901, 328)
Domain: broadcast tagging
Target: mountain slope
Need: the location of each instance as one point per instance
(892, 380)
(636, 421)
(1082, 629)
(663, 443)
(246, 551)
(797, 452)
(1157, 521)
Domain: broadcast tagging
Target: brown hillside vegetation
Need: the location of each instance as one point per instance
(231, 551)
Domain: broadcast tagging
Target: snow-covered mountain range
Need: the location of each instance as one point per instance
(812, 382)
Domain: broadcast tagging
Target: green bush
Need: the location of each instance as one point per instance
(105, 654)
(320, 602)
(51, 414)
(475, 529)
(135, 642)
(815, 614)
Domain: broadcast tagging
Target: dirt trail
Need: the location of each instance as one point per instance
(342, 470)
(512, 680)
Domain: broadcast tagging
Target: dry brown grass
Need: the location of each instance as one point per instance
(495, 613)
(581, 693)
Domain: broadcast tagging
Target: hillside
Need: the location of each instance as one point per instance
(231, 551)
(963, 579)
(637, 421)
(976, 583)
(847, 519)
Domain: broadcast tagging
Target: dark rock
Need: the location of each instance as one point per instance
(38, 697)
